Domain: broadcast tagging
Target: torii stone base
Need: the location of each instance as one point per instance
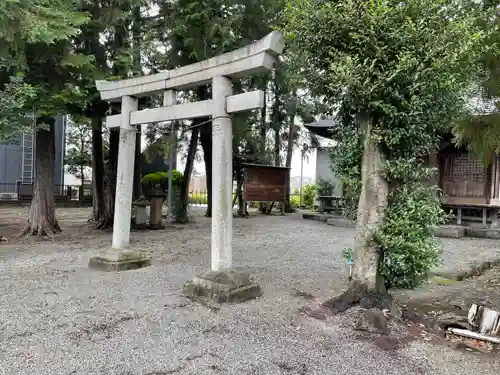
(122, 260)
(222, 287)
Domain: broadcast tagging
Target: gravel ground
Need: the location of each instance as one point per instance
(59, 317)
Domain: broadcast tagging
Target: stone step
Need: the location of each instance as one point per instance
(315, 216)
(341, 222)
(450, 231)
(483, 232)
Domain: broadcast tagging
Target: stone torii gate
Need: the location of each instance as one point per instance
(220, 283)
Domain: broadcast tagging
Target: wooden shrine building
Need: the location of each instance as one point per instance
(470, 190)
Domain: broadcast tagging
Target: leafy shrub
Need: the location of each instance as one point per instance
(406, 239)
(160, 177)
(295, 200)
(325, 187)
(309, 195)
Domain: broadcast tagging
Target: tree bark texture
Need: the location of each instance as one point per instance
(205, 136)
(372, 204)
(263, 124)
(137, 191)
(288, 161)
(182, 216)
(206, 145)
(367, 285)
(106, 221)
(42, 213)
(277, 142)
(98, 199)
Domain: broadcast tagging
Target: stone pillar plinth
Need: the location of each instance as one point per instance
(222, 287)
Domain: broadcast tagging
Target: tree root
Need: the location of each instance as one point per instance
(367, 299)
(41, 229)
(104, 222)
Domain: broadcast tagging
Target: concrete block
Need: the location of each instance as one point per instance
(341, 222)
(222, 287)
(450, 231)
(483, 233)
(120, 260)
(314, 216)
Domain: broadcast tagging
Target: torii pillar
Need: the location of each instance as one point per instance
(220, 283)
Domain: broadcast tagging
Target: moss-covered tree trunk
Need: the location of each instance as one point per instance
(42, 213)
(372, 204)
(367, 285)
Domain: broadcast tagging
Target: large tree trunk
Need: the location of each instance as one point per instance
(263, 124)
(106, 220)
(288, 161)
(42, 213)
(205, 136)
(372, 204)
(98, 201)
(242, 207)
(182, 214)
(137, 190)
(367, 285)
(277, 141)
(206, 145)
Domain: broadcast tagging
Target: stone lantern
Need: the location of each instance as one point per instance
(141, 216)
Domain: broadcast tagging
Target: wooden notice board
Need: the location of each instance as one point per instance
(264, 183)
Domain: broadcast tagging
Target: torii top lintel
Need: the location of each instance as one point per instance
(254, 58)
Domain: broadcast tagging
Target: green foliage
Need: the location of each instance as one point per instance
(309, 195)
(346, 163)
(160, 177)
(38, 61)
(348, 254)
(13, 103)
(199, 198)
(406, 68)
(78, 147)
(325, 188)
(480, 131)
(35, 21)
(295, 200)
(406, 238)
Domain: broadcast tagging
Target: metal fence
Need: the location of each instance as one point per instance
(24, 192)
